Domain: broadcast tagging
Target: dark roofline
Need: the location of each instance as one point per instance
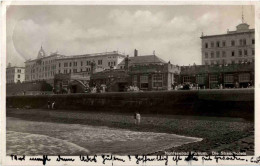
(229, 34)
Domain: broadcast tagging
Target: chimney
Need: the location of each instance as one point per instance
(127, 62)
(136, 53)
(92, 67)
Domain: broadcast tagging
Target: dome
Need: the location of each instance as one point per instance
(243, 27)
(41, 53)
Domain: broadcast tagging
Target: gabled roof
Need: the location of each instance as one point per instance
(145, 59)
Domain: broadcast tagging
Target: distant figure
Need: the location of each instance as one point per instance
(221, 86)
(137, 118)
(53, 105)
(49, 104)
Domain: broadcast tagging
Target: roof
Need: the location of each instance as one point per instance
(230, 33)
(145, 59)
(115, 53)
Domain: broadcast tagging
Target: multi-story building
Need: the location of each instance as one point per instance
(45, 67)
(233, 47)
(14, 74)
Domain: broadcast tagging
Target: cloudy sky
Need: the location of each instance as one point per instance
(172, 31)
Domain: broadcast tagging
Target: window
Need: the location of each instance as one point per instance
(212, 44)
(81, 63)
(240, 42)
(144, 82)
(233, 53)
(217, 53)
(19, 70)
(223, 54)
(223, 44)
(200, 80)
(218, 44)
(240, 53)
(18, 75)
(108, 63)
(134, 80)
(186, 79)
(59, 65)
(229, 78)
(99, 62)
(213, 78)
(253, 41)
(212, 54)
(245, 52)
(232, 43)
(74, 70)
(75, 63)
(157, 80)
(244, 77)
(253, 52)
(244, 42)
(70, 64)
(206, 45)
(206, 63)
(206, 55)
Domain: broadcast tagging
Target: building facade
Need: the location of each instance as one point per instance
(15, 74)
(45, 67)
(231, 48)
(153, 76)
(214, 76)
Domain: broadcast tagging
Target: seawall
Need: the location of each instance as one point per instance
(228, 102)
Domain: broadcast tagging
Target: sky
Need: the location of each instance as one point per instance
(172, 31)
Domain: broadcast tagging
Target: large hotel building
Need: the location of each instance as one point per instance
(45, 67)
(231, 48)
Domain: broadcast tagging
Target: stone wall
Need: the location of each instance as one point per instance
(231, 103)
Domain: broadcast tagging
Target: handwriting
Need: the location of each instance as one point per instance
(234, 157)
(64, 159)
(143, 158)
(43, 159)
(111, 157)
(88, 159)
(15, 157)
(176, 159)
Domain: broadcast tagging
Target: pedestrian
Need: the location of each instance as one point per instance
(53, 105)
(138, 118)
(49, 104)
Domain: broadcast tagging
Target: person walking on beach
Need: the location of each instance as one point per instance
(49, 104)
(137, 118)
(53, 105)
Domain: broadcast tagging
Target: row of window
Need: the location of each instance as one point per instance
(157, 81)
(65, 71)
(233, 53)
(224, 61)
(241, 42)
(43, 69)
(228, 78)
(43, 75)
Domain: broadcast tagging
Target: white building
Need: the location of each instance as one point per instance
(45, 67)
(14, 74)
(233, 47)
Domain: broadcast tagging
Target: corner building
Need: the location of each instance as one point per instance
(232, 48)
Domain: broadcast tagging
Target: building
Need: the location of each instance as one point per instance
(15, 74)
(233, 47)
(42, 68)
(140, 60)
(149, 77)
(213, 76)
(147, 72)
(45, 67)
